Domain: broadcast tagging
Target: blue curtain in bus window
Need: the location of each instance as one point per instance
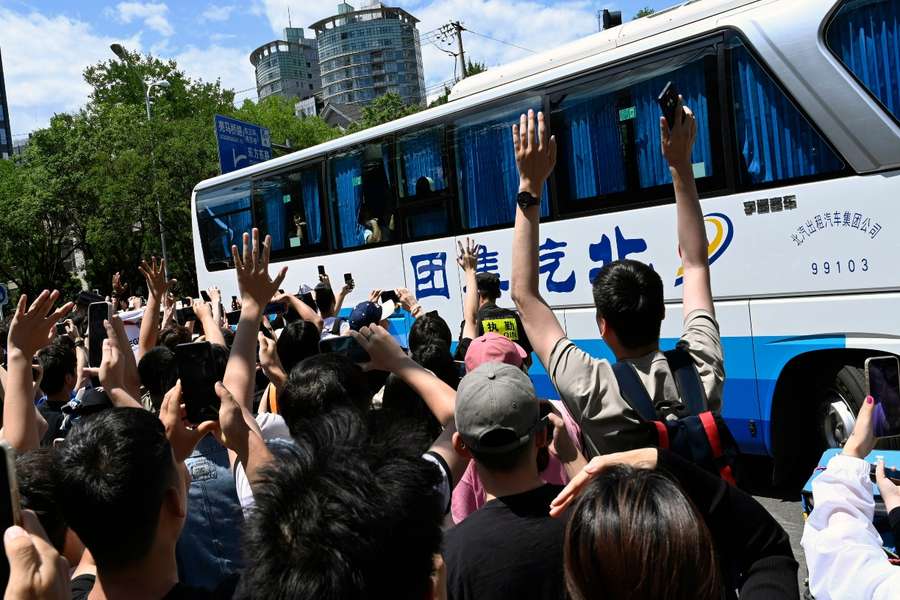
(425, 224)
(274, 216)
(309, 184)
(775, 140)
(592, 147)
(223, 216)
(691, 83)
(865, 35)
(348, 189)
(422, 156)
(486, 171)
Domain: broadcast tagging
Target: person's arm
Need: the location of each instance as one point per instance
(252, 268)
(468, 261)
(693, 246)
(157, 287)
(211, 329)
(409, 303)
(340, 296)
(81, 355)
(564, 448)
(182, 439)
(387, 355)
(114, 368)
(29, 331)
(215, 297)
(535, 160)
(306, 313)
(271, 366)
(239, 432)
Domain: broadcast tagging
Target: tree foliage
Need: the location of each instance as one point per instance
(644, 12)
(472, 68)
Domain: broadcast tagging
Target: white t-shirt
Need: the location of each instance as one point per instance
(273, 428)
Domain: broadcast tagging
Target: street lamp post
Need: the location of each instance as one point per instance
(149, 84)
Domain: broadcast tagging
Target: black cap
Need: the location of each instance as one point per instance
(92, 402)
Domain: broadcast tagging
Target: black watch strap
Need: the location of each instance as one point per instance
(525, 200)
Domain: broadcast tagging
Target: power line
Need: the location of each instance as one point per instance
(501, 41)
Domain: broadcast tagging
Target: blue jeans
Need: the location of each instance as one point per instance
(209, 549)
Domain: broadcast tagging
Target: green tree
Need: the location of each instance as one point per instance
(384, 109)
(644, 12)
(277, 114)
(472, 68)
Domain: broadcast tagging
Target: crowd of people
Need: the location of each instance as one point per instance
(326, 461)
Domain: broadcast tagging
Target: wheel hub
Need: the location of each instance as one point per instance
(839, 423)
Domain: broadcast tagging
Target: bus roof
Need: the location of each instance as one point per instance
(679, 15)
(471, 91)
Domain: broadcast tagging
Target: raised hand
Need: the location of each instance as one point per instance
(215, 296)
(862, 439)
(34, 328)
(890, 493)
(562, 447)
(535, 158)
(182, 439)
(233, 429)
(406, 299)
(36, 569)
(155, 275)
(678, 142)
(375, 296)
(467, 258)
(252, 268)
(119, 288)
(384, 351)
(268, 355)
(202, 310)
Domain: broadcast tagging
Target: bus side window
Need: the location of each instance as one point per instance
(223, 215)
(608, 132)
(424, 186)
(362, 197)
(775, 142)
(486, 173)
(288, 207)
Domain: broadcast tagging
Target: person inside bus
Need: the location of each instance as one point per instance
(839, 536)
(375, 215)
(330, 304)
(628, 296)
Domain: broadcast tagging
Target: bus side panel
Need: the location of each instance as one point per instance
(431, 274)
(740, 403)
(786, 328)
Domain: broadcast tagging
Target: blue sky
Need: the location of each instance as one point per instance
(47, 43)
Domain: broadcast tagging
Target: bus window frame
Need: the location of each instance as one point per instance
(229, 260)
(299, 252)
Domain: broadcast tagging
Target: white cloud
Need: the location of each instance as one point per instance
(153, 15)
(215, 12)
(46, 78)
(230, 65)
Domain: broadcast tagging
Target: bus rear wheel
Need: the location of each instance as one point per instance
(840, 394)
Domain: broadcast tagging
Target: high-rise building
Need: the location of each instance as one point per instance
(366, 53)
(5, 131)
(288, 67)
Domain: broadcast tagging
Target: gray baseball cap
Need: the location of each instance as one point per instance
(496, 408)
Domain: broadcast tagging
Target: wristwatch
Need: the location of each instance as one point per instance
(524, 200)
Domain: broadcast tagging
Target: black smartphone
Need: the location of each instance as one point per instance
(321, 270)
(97, 313)
(668, 103)
(347, 346)
(233, 317)
(883, 384)
(61, 328)
(196, 369)
(390, 296)
(274, 308)
(184, 315)
(348, 278)
(205, 296)
(10, 511)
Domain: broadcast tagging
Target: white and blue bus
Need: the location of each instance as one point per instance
(797, 162)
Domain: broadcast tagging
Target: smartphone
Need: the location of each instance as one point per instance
(61, 328)
(196, 369)
(97, 313)
(668, 102)
(10, 511)
(274, 308)
(390, 296)
(233, 317)
(205, 296)
(346, 345)
(883, 384)
(889, 472)
(183, 315)
(321, 270)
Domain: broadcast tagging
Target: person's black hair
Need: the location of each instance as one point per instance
(228, 334)
(37, 493)
(399, 402)
(633, 534)
(436, 357)
(325, 299)
(80, 321)
(320, 384)
(112, 475)
(430, 328)
(57, 361)
(505, 462)
(173, 335)
(339, 520)
(629, 295)
(299, 340)
(158, 371)
(488, 286)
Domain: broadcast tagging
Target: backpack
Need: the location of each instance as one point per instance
(693, 432)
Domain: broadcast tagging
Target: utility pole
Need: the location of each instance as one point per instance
(458, 28)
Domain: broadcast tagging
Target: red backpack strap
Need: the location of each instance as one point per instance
(715, 444)
(662, 434)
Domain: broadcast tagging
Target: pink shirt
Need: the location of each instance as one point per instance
(469, 494)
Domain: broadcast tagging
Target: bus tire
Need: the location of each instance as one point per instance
(839, 395)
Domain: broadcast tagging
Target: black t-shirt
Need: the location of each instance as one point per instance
(52, 413)
(510, 548)
(83, 584)
(492, 318)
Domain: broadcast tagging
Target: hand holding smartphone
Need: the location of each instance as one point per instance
(668, 102)
(196, 369)
(346, 345)
(98, 312)
(883, 384)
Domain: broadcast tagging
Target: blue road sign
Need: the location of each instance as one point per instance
(4, 295)
(241, 144)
